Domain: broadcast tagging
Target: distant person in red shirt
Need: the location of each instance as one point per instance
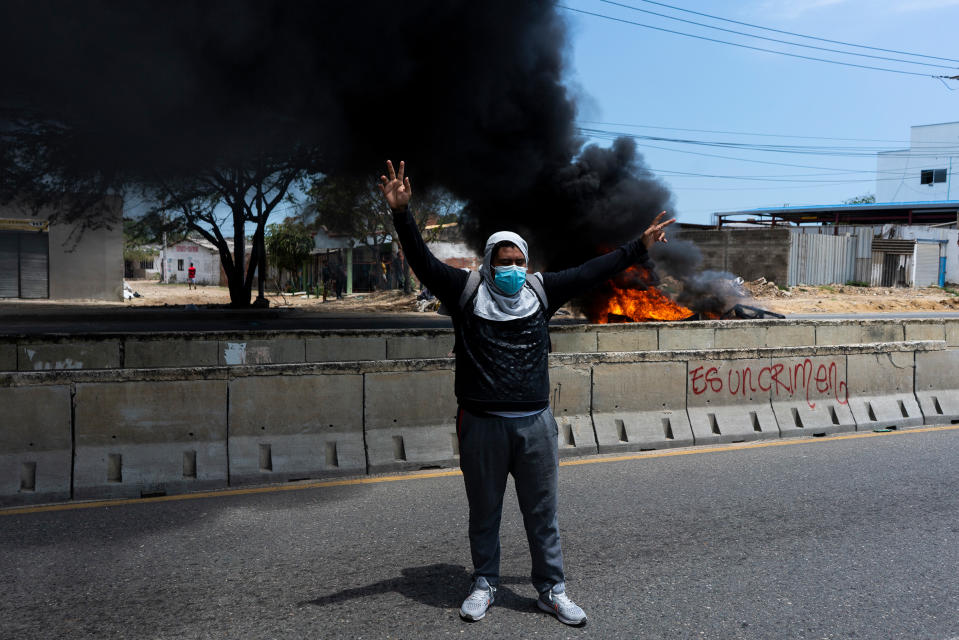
(191, 276)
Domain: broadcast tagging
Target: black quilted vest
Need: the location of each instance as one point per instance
(502, 366)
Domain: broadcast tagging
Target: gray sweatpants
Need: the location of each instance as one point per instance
(492, 447)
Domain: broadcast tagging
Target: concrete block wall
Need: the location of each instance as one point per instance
(40, 356)
(132, 432)
(750, 253)
(207, 349)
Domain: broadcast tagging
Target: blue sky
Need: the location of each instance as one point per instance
(628, 75)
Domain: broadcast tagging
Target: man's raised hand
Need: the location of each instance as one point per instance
(396, 189)
(655, 232)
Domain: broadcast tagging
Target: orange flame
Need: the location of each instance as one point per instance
(632, 305)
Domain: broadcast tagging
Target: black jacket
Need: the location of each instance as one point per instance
(503, 366)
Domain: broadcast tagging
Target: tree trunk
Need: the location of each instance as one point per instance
(407, 280)
(259, 239)
(239, 291)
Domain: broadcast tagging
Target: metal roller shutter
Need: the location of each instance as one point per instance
(9, 265)
(927, 264)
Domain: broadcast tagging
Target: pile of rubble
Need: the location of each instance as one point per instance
(763, 288)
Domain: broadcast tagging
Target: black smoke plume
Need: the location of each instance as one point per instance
(471, 94)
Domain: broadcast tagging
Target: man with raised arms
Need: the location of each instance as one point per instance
(504, 423)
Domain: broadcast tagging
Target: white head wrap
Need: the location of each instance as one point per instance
(493, 304)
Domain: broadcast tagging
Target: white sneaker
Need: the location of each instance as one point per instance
(478, 601)
(559, 604)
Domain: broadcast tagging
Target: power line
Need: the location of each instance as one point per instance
(746, 46)
(780, 188)
(716, 155)
(800, 35)
(819, 150)
(762, 135)
(689, 174)
(793, 44)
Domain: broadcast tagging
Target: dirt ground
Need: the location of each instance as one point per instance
(850, 299)
(802, 299)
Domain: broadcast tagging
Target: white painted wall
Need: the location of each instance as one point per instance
(206, 261)
(934, 146)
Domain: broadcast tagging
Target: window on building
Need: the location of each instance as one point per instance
(930, 176)
(179, 265)
(146, 264)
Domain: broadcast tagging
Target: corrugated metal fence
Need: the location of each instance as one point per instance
(823, 259)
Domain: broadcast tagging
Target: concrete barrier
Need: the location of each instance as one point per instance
(178, 349)
(676, 337)
(8, 357)
(810, 395)
(937, 386)
(925, 330)
(150, 353)
(414, 347)
(145, 437)
(729, 400)
(410, 420)
(577, 339)
(740, 337)
(952, 332)
(790, 335)
(164, 430)
(290, 427)
(838, 333)
(637, 337)
(36, 446)
(570, 400)
(345, 347)
(881, 331)
(43, 356)
(640, 405)
(268, 351)
(881, 392)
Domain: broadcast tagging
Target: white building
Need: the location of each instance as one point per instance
(201, 253)
(925, 171)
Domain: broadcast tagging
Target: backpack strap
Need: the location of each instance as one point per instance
(536, 284)
(472, 284)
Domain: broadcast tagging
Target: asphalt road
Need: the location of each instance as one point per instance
(832, 537)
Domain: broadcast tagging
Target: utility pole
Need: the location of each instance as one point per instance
(163, 258)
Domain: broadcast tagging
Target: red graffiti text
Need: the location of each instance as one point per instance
(795, 379)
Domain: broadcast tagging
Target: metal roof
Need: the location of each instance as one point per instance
(872, 213)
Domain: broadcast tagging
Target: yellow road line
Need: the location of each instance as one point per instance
(445, 474)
